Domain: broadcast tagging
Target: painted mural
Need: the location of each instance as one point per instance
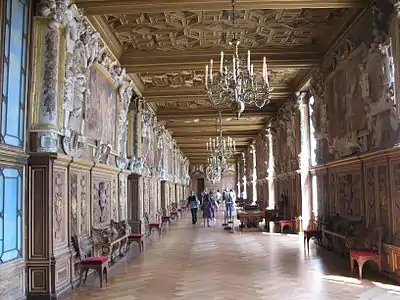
(101, 108)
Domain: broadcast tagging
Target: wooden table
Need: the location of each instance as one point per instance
(250, 219)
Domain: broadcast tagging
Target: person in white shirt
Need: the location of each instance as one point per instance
(229, 203)
(218, 197)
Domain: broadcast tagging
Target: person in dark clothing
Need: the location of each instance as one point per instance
(193, 204)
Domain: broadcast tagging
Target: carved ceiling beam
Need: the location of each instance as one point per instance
(233, 134)
(197, 94)
(172, 61)
(212, 128)
(200, 145)
(168, 114)
(204, 125)
(102, 7)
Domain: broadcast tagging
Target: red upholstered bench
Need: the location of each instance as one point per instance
(152, 225)
(290, 223)
(97, 263)
(165, 219)
(361, 256)
(174, 214)
(137, 238)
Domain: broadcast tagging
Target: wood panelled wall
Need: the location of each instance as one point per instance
(76, 180)
(366, 186)
(357, 129)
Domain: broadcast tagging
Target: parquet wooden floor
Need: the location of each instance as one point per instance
(191, 262)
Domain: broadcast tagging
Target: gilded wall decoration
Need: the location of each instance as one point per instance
(354, 109)
(173, 79)
(96, 90)
(114, 199)
(122, 196)
(59, 208)
(370, 197)
(171, 31)
(84, 216)
(348, 194)
(83, 48)
(73, 191)
(396, 204)
(285, 138)
(333, 207)
(383, 196)
(101, 202)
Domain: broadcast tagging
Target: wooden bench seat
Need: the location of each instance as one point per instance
(112, 240)
(151, 225)
(137, 238)
(342, 232)
(87, 262)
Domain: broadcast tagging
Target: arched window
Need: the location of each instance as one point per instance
(14, 31)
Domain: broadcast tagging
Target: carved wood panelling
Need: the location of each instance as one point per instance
(101, 201)
(73, 195)
(370, 196)
(348, 195)
(383, 196)
(114, 198)
(122, 196)
(85, 213)
(322, 194)
(60, 200)
(396, 197)
(172, 31)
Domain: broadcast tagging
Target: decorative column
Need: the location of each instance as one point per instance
(244, 181)
(394, 32)
(238, 172)
(136, 161)
(270, 171)
(253, 172)
(305, 178)
(48, 76)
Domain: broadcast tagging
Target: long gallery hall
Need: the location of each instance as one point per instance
(199, 149)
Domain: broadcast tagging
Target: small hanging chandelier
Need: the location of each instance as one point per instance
(221, 148)
(213, 170)
(235, 83)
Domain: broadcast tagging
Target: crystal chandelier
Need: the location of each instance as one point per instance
(213, 170)
(221, 148)
(235, 83)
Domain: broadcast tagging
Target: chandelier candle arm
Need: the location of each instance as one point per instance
(211, 70)
(222, 62)
(248, 60)
(206, 79)
(236, 83)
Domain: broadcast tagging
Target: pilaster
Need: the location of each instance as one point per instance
(48, 249)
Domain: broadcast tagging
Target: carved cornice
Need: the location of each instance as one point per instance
(108, 37)
(147, 6)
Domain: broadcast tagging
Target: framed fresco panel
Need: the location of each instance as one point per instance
(101, 107)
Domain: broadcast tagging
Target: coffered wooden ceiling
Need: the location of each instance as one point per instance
(166, 45)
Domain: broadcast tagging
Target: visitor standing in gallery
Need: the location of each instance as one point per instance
(193, 204)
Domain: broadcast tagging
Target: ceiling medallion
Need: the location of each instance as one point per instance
(235, 83)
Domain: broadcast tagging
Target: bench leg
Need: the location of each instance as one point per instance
(86, 272)
(105, 271)
(81, 271)
(99, 271)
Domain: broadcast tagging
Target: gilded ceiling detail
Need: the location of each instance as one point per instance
(177, 31)
(185, 104)
(196, 79)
